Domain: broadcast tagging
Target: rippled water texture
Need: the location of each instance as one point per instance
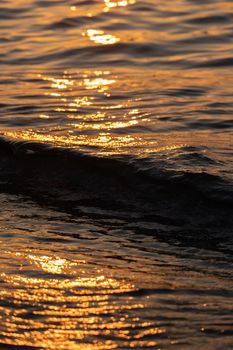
(116, 172)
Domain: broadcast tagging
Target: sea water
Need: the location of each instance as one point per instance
(116, 172)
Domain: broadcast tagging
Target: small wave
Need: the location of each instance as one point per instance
(211, 123)
(72, 22)
(77, 183)
(49, 3)
(215, 19)
(187, 92)
(216, 63)
(12, 13)
(118, 54)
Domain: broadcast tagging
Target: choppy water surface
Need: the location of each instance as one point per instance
(116, 172)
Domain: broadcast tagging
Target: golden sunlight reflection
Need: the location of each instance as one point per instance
(88, 113)
(104, 143)
(100, 84)
(102, 113)
(58, 84)
(109, 4)
(100, 37)
(98, 7)
(81, 102)
(49, 264)
(68, 304)
(107, 125)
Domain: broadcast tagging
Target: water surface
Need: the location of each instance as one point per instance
(116, 174)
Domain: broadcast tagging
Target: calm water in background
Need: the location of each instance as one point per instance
(116, 172)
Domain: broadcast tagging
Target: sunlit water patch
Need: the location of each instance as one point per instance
(132, 113)
(77, 284)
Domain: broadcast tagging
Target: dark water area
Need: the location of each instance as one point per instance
(116, 174)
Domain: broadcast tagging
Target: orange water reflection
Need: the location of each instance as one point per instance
(100, 37)
(106, 113)
(121, 3)
(83, 100)
(63, 304)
